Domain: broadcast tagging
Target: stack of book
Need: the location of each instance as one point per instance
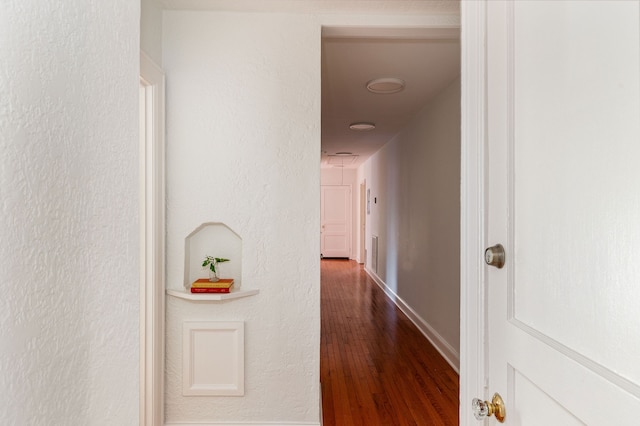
(203, 285)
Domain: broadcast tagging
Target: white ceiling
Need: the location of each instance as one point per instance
(428, 60)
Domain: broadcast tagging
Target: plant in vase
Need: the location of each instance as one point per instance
(212, 262)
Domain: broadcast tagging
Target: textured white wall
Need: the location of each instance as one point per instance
(243, 148)
(68, 212)
(416, 180)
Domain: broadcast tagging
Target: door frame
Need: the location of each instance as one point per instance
(362, 222)
(473, 352)
(152, 244)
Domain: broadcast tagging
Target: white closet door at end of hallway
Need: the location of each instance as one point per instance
(335, 218)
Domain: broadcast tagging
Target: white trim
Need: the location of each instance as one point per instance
(211, 297)
(343, 7)
(447, 351)
(472, 220)
(152, 225)
(361, 221)
(321, 418)
(451, 32)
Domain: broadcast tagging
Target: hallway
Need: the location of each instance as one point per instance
(376, 368)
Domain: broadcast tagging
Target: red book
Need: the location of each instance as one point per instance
(210, 290)
(205, 283)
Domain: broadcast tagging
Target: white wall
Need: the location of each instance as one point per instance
(69, 212)
(243, 148)
(151, 30)
(415, 179)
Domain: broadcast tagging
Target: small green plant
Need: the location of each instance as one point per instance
(212, 262)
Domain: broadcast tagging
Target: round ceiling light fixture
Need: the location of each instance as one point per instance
(386, 85)
(362, 127)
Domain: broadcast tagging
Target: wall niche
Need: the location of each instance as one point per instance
(217, 240)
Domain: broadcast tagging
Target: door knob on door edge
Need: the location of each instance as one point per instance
(494, 256)
(483, 409)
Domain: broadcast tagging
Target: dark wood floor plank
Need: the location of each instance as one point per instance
(376, 368)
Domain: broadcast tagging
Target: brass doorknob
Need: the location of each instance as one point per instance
(482, 409)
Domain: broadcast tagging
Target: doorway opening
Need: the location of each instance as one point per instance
(404, 172)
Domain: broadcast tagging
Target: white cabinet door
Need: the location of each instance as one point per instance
(335, 217)
(563, 151)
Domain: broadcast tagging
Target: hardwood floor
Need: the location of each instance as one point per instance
(376, 368)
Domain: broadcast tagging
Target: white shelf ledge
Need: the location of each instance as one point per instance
(211, 297)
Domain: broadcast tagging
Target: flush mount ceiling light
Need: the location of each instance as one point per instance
(362, 127)
(386, 85)
(343, 154)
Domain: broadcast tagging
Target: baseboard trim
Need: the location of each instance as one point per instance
(442, 346)
(321, 420)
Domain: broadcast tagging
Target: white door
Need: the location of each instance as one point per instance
(335, 218)
(563, 150)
